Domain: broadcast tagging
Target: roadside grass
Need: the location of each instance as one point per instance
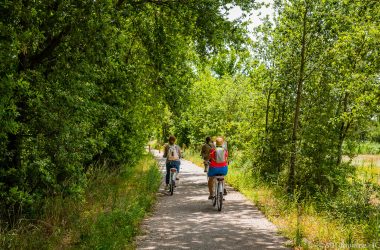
(108, 217)
(367, 160)
(369, 173)
(301, 223)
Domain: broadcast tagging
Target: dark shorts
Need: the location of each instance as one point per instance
(212, 171)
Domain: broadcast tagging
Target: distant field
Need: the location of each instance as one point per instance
(368, 167)
(365, 160)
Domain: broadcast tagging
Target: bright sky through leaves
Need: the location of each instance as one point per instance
(255, 16)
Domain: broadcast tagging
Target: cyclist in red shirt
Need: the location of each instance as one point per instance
(218, 164)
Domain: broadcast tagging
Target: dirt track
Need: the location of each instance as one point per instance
(187, 220)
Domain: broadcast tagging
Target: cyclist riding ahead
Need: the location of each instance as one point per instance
(218, 164)
(205, 152)
(172, 153)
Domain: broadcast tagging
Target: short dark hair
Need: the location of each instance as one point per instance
(172, 138)
(208, 139)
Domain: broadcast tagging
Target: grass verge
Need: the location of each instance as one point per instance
(301, 223)
(108, 217)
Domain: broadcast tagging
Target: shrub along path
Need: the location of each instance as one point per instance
(187, 220)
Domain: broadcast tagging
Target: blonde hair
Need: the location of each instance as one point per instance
(219, 141)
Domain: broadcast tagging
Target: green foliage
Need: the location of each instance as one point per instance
(374, 130)
(114, 204)
(133, 194)
(254, 103)
(308, 93)
(354, 203)
(84, 83)
(366, 147)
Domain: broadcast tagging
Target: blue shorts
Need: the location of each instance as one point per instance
(217, 171)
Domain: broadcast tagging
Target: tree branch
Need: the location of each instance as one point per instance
(48, 50)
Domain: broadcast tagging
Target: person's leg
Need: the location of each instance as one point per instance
(210, 182)
(211, 186)
(225, 171)
(177, 165)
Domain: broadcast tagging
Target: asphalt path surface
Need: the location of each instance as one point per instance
(187, 220)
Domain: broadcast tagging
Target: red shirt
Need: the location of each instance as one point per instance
(213, 163)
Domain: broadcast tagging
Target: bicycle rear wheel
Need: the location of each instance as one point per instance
(171, 189)
(219, 199)
(171, 184)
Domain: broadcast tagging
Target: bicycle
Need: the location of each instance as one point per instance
(218, 192)
(173, 173)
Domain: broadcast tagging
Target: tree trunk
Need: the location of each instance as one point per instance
(14, 150)
(293, 156)
(267, 112)
(342, 132)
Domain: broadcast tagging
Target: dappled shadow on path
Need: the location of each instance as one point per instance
(187, 220)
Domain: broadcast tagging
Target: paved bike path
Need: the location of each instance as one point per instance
(187, 220)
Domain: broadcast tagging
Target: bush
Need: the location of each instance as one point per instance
(115, 201)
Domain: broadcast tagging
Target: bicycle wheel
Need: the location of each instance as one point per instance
(215, 194)
(171, 185)
(220, 201)
(171, 189)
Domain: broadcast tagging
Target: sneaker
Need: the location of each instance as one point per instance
(177, 178)
(224, 192)
(211, 197)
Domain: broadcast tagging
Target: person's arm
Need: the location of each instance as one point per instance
(203, 152)
(207, 153)
(179, 152)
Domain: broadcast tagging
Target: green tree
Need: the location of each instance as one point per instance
(85, 83)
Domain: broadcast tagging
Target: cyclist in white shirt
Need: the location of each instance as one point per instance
(172, 153)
